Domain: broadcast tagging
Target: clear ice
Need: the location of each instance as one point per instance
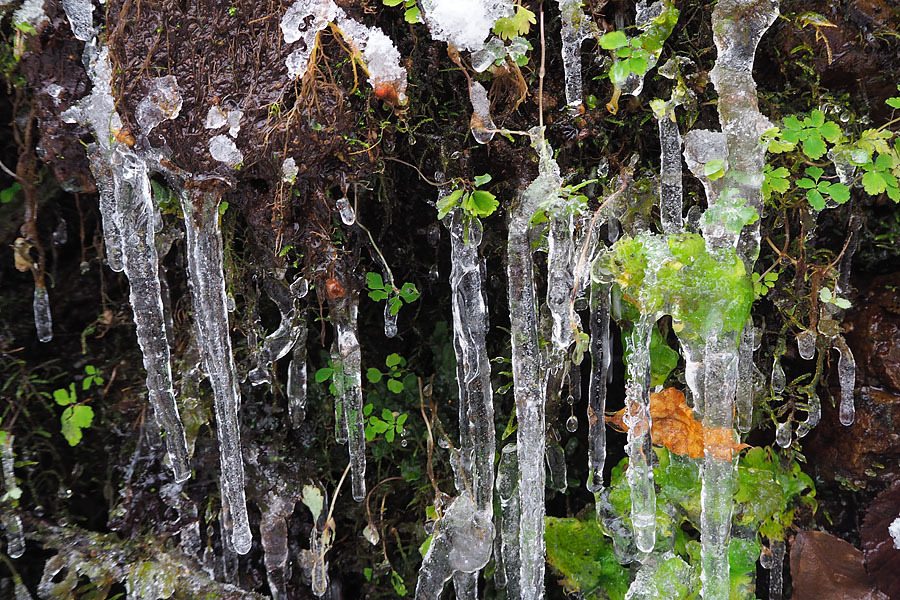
(601, 357)
(576, 27)
(527, 377)
(43, 319)
(163, 102)
(222, 148)
(81, 18)
(481, 124)
(15, 536)
(350, 355)
(847, 379)
(508, 491)
(207, 285)
(464, 24)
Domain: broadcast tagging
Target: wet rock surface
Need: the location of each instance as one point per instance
(827, 568)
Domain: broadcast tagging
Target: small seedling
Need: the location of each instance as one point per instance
(379, 290)
(826, 295)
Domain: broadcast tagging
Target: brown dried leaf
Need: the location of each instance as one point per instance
(675, 427)
(882, 559)
(824, 567)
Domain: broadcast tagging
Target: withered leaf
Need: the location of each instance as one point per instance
(675, 427)
(882, 559)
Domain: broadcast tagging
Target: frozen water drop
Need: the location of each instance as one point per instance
(572, 424)
(806, 344)
(783, 434)
(348, 217)
(390, 322)
(43, 320)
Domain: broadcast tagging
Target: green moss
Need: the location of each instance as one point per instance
(579, 551)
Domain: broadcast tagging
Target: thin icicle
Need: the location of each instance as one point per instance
(481, 124)
(297, 377)
(526, 363)
(776, 571)
(745, 393)
(340, 417)
(466, 586)
(601, 356)
(390, 321)
(556, 467)
(847, 379)
(806, 344)
(277, 344)
(670, 202)
(81, 18)
(351, 373)
(639, 448)
(43, 319)
(717, 470)
(207, 283)
(576, 27)
(560, 278)
(508, 490)
(273, 533)
(813, 414)
(15, 537)
(135, 217)
(188, 518)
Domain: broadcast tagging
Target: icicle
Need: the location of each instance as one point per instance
(348, 217)
(847, 379)
(576, 27)
(670, 202)
(273, 533)
(601, 356)
(745, 393)
(340, 417)
(344, 319)
(81, 18)
(318, 548)
(481, 124)
(783, 433)
(276, 345)
(778, 380)
(43, 320)
(466, 586)
(639, 448)
(189, 536)
(701, 147)
(207, 284)
(560, 278)
(390, 321)
(508, 490)
(806, 344)
(776, 573)
(717, 470)
(112, 238)
(813, 414)
(15, 537)
(135, 210)
(527, 371)
(556, 467)
(297, 379)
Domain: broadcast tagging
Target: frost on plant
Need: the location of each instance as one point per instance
(576, 27)
(464, 24)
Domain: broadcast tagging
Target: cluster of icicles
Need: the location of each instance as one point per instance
(467, 532)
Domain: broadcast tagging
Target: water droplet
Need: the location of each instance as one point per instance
(570, 400)
(404, 443)
(348, 217)
(783, 434)
(572, 423)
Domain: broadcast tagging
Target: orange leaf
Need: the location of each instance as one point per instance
(675, 427)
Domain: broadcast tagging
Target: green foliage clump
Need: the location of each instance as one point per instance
(677, 275)
(579, 551)
(634, 54)
(77, 415)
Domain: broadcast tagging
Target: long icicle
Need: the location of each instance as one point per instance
(134, 205)
(526, 365)
(207, 284)
(350, 356)
(601, 347)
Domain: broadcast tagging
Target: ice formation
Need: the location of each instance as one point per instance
(81, 18)
(894, 530)
(289, 170)
(348, 216)
(576, 27)
(15, 536)
(207, 284)
(527, 376)
(508, 491)
(601, 357)
(222, 149)
(348, 382)
(43, 318)
(163, 102)
(475, 461)
(481, 124)
(302, 23)
(464, 24)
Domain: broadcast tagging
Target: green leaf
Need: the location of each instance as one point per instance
(814, 172)
(7, 195)
(401, 420)
(613, 40)
(873, 183)
(624, 52)
(806, 184)
(393, 359)
(373, 375)
(814, 147)
(481, 203)
(815, 199)
(367, 409)
(409, 292)
(64, 396)
(395, 385)
(792, 123)
(839, 192)
(412, 15)
(714, 169)
(481, 180)
(893, 102)
(825, 295)
(817, 118)
(391, 2)
(830, 131)
(618, 73)
(378, 295)
(73, 420)
(324, 374)
(395, 303)
(387, 416)
(374, 281)
(842, 303)
(447, 203)
(223, 206)
(638, 64)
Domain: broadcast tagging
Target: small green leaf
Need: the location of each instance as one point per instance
(447, 203)
(223, 206)
(401, 420)
(806, 184)
(714, 169)
(374, 281)
(412, 15)
(373, 375)
(393, 359)
(816, 118)
(368, 408)
(842, 303)
(481, 203)
(409, 292)
(391, 2)
(73, 420)
(324, 374)
(618, 73)
(389, 435)
(792, 123)
(893, 102)
(481, 180)
(815, 199)
(395, 385)
(7, 195)
(613, 40)
(814, 172)
(638, 64)
(873, 183)
(378, 295)
(825, 295)
(814, 147)
(395, 303)
(830, 131)
(839, 192)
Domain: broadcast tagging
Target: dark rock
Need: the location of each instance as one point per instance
(824, 567)
(882, 558)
